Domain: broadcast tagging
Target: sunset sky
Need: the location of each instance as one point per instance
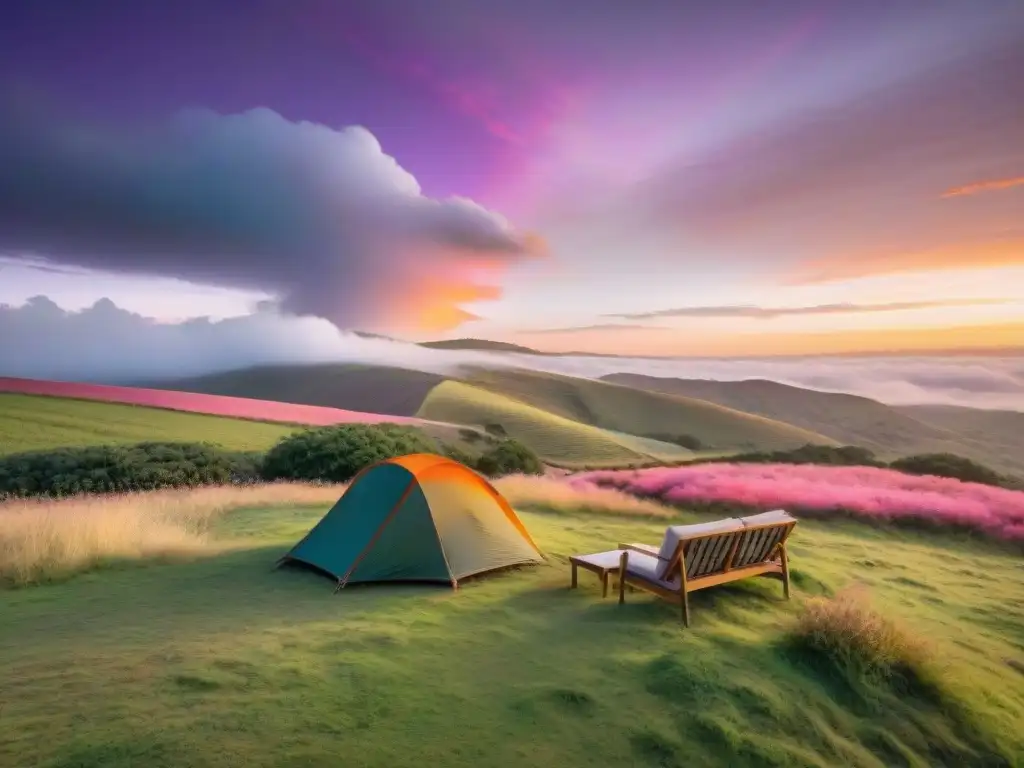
(657, 177)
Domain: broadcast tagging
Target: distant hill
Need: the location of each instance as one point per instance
(632, 418)
(999, 434)
(639, 412)
(555, 438)
(369, 388)
(482, 345)
(486, 345)
(855, 420)
(565, 418)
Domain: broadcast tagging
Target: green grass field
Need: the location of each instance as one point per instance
(222, 662)
(639, 412)
(29, 423)
(554, 438)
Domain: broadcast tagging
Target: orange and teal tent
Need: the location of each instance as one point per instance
(416, 518)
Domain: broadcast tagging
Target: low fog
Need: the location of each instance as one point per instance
(105, 343)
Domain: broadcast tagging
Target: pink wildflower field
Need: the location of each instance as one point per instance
(865, 492)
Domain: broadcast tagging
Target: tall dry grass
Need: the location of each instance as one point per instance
(567, 494)
(46, 539)
(866, 646)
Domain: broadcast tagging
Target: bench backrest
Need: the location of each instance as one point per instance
(754, 542)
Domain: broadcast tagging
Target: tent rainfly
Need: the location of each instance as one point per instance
(416, 518)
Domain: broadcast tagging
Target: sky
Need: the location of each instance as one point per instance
(658, 177)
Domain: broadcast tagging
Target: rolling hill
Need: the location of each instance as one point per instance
(629, 418)
(369, 388)
(555, 438)
(993, 438)
(565, 419)
(998, 433)
(483, 345)
(638, 412)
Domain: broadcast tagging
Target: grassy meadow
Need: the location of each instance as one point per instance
(207, 657)
(30, 422)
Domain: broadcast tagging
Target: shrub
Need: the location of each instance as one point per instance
(337, 453)
(938, 464)
(121, 468)
(827, 455)
(455, 453)
(510, 457)
(863, 645)
(948, 465)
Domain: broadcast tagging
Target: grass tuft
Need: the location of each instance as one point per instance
(863, 645)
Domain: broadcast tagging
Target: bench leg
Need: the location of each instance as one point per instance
(573, 583)
(604, 584)
(684, 595)
(622, 577)
(785, 572)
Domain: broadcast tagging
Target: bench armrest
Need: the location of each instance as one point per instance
(645, 549)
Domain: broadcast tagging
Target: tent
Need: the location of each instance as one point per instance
(415, 518)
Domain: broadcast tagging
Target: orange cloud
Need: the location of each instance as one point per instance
(984, 186)
(428, 289)
(436, 305)
(1003, 252)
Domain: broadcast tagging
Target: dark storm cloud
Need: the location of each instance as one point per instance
(320, 218)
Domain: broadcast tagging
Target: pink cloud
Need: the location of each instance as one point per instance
(864, 491)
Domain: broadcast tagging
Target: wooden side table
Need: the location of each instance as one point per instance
(601, 563)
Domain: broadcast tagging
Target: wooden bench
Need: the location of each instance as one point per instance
(694, 557)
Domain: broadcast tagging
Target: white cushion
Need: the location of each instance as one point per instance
(676, 533)
(649, 569)
(775, 516)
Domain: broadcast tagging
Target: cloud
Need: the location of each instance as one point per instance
(984, 186)
(853, 182)
(1007, 251)
(767, 313)
(595, 327)
(106, 343)
(321, 219)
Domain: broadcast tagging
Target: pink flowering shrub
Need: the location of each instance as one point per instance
(864, 492)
